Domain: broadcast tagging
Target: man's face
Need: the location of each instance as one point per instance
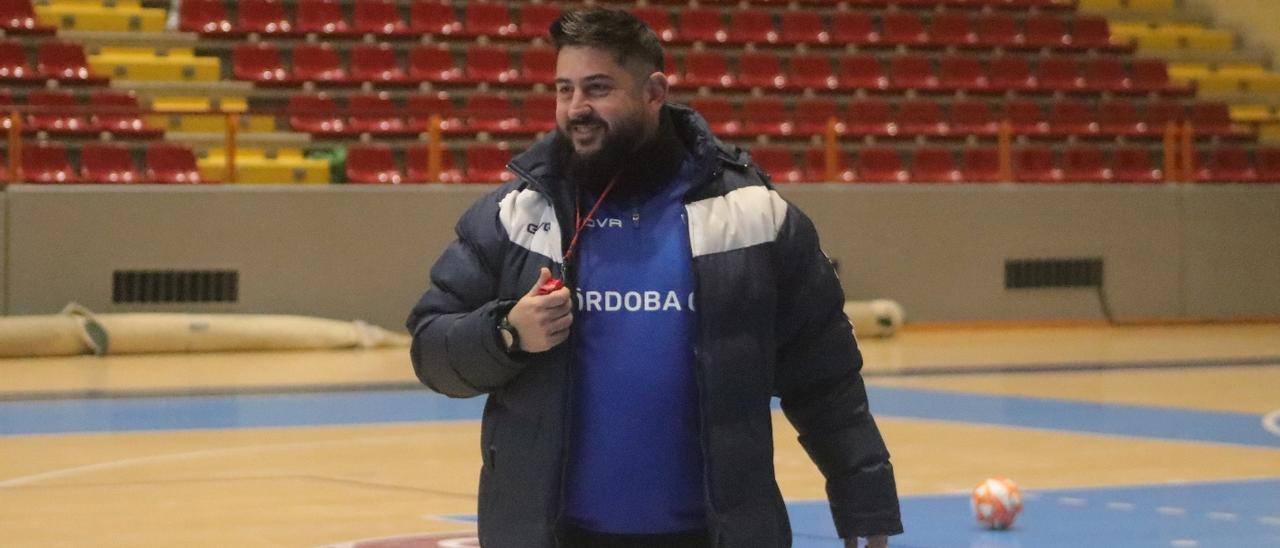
(600, 105)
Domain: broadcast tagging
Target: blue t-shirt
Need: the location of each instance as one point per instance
(635, 458)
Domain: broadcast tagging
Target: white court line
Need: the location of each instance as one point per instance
(1072, 501)
(1171, 511)
(1122, 506)
(1222, 516)
(1184, 543)
(1271, 422)
(205, 453)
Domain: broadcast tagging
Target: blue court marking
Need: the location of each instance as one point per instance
(346, 408)
(1221, 514)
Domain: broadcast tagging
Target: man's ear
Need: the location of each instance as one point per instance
(656, 89)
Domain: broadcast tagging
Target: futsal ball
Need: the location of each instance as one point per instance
(996, 502)
(876, 318)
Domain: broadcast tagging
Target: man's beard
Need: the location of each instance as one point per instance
(595, 169)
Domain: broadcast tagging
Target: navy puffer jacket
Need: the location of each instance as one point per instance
(770, 324)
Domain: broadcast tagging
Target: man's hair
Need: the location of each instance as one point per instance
(615, 31)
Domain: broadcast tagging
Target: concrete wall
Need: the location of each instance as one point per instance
(363, 252)
(4, 253)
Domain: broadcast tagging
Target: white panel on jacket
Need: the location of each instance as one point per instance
(742, 218)
(530, 222)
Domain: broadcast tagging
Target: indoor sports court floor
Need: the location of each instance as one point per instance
(1120, 436)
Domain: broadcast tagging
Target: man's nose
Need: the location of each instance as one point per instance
(579, 106)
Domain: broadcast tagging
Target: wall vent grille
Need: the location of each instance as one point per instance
(175, 286)
(1047, 273)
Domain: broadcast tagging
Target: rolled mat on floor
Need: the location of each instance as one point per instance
(877, 318)
(76, 331)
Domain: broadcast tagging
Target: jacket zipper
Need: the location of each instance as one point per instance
(700, 374)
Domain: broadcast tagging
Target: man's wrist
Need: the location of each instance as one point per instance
(508, 337)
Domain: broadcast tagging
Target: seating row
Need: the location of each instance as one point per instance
(381, 64)
(59, 113)
(48, 162)
(64, 62)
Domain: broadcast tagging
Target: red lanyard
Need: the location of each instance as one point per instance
(581, 222)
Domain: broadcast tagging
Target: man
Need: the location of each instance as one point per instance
(636, 411)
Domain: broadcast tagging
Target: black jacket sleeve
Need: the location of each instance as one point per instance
(821, 387)
(456, 349)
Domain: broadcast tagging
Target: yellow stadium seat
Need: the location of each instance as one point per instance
(255, 168)
(98, 18)
(155, 68)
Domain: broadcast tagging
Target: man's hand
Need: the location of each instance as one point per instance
(880, 541)
(542, 320)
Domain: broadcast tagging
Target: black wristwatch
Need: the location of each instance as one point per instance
(508, 334)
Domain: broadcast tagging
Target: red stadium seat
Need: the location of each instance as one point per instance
(118, 112)
(379, 17)
(66, 62)
(416, 164)
(708, 68)
(536, 19)
(952, 29)
(702, 25)
(263, 16)
(1134, 165)
(720, 114)
(803, 27)
(19, 17)
(811, 72)
(485, 19)
(1268, 164)
(315, 114)
(752, 27)
(433, 17)
(375, 113)
(1091, 32)
(854, 27)
(861, 72)
(318, 63)
(1046, 31)
(539, 112)
(372, 164)
(812, 115)
(1011, 73)
(13, 63)
(376, 63)
(767, 116)
(912, 72)
(935, 165)
(1035, 165)
(537, 66)
(258, 62)
(1072, 117)
(872, 117)
(108, 163)
(904, 28)
(761, 70)
(1152, 75)
(423, 106)
(1085, 165)
(973, 118)
(46, 162)
(1225, 165)
(777, 162)
(489, 64)
(880, 165)
(56, 112)
(321, 17)
(998, 30)
(981, 165)
(921, 117)
(815, 167)
(434, 63)
(493, 114)
(1026, 117)
(1121, 118)
(1159, 114)
(962, 73)
(658, 19)
(1214, 119)
(1107, 74)
(172, 164)
(1060, 74)
(487, 163)
(204, 16)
